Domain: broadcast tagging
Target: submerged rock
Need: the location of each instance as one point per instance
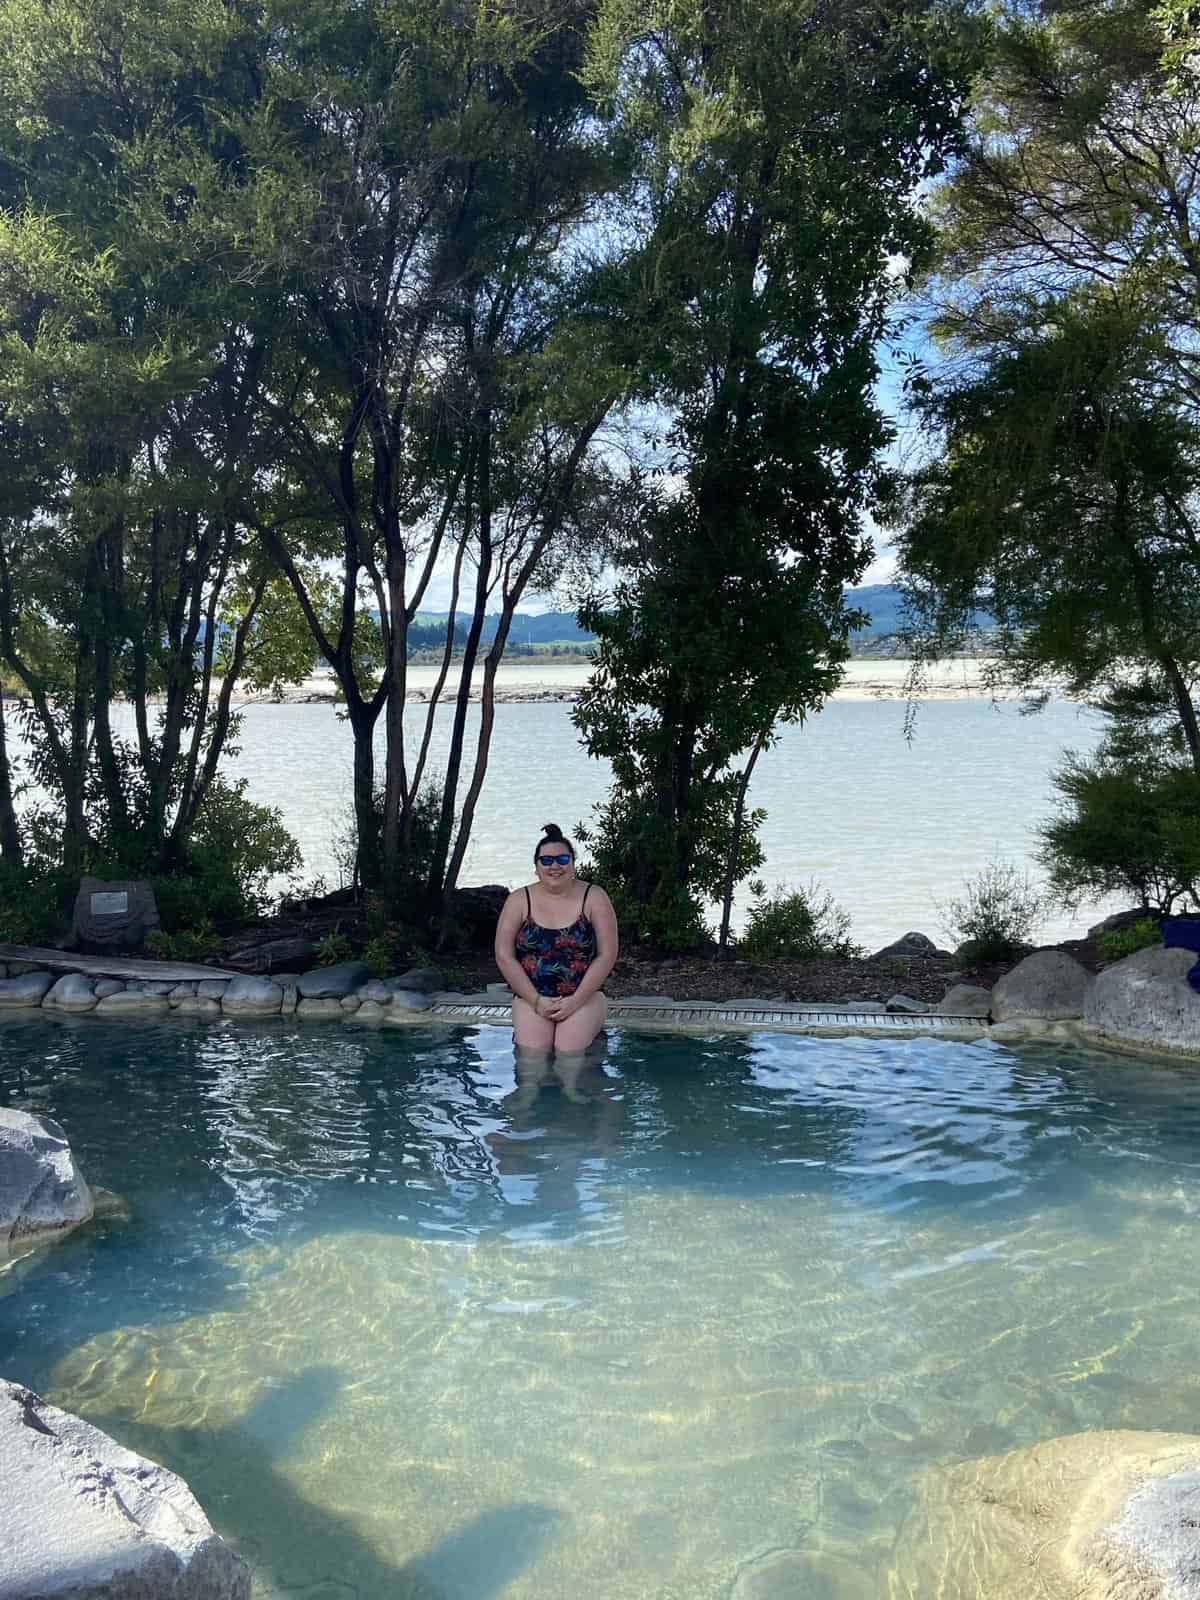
(1110, 1515)
(1049, 984)
(1146, 1000)
(42, 1191)
(84, 1517)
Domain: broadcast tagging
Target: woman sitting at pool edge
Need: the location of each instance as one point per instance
(555, 946)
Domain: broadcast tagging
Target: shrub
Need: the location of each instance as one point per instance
(995, 917)
(380, 955)
(189, 944)
(1130, 826)
(35, 903)
(1118, 943)
(334, 948)
(413, 872)
(798, 925)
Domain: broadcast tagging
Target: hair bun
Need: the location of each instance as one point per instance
(552, 832)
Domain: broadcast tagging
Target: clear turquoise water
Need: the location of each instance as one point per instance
(698, 1331)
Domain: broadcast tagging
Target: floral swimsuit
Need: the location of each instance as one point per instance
(556, 958)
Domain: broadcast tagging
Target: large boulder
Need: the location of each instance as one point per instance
(1049, 984)
(25, 990)
(965, 1000)
(274, 955)
(1094, 1516)
(252, 997)
(42, 1191)
(72, 992)
(909, 944)
(1147, 1000)
(86, 1519)
(417, 980)
(476, 911)
(333, 983)
(112, 916)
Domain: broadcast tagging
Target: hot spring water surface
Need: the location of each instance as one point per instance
(694, 1328)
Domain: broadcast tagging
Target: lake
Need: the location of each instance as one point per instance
(891, 826)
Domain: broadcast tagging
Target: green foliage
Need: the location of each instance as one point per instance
(658, 873)
(1129, 823)
(1118, 943)
(996, 916)
(405, 894)
(797, 925)
(333, 949)
(381, 954)
(35, 904)
(781, 165)
(187, 944)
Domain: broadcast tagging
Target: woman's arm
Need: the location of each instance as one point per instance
(511, 970)
(604, 921)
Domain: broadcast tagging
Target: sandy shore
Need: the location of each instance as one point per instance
(529, 682)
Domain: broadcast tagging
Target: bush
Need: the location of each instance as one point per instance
(797, 925)
(410, 879)
(996, 916)
(380, 954)
(333, 949)
(1118, 943)
(1130, 826)
(188, 944)
(35, 904)
(643, 862)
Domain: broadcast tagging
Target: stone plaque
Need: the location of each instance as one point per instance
(112, 916)
(110, 903)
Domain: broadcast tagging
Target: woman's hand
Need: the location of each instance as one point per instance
(558, 1007)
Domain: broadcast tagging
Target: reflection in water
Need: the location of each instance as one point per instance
(557, 1162)
(419, 1322)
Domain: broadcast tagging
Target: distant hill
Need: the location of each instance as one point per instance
(551, 627)
(882, 602)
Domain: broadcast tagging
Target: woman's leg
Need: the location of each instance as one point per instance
(531, 1032)
(574, 1035)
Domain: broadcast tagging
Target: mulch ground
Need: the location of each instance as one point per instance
(818, 982)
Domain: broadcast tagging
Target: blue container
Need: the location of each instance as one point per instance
(1181, 933)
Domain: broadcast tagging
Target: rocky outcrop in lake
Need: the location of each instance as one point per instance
(42, 1191)
(1112, 1515)
(86, 1519)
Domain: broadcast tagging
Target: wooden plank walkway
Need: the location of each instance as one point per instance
(51, 960)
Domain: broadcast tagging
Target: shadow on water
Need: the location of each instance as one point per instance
(305, 1549)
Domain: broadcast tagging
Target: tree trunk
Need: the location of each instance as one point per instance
(735, 844)
(436, 881)
(10, 834)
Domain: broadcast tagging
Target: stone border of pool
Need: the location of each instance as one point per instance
(1047, 997)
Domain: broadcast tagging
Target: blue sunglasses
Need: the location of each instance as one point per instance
(555, 861)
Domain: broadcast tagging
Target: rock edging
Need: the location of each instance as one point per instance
(1142, 1004)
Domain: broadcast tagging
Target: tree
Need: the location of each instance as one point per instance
(433, 405)
(1063, 502)
(128, 360)
(1080, 172)
(782, 147)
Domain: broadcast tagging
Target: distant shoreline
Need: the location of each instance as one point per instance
(559, 680)
(526, 682)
